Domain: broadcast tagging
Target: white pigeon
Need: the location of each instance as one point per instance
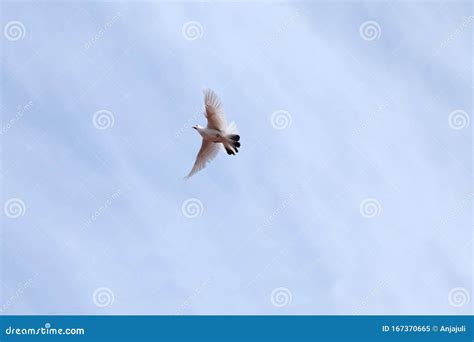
(216, 134)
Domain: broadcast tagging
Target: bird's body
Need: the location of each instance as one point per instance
(216, 134)
(210, 134)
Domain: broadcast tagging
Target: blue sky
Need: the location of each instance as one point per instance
(351, 194)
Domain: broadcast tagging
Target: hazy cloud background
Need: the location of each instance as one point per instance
(100, 223)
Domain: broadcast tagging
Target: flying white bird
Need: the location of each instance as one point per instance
(216, 134)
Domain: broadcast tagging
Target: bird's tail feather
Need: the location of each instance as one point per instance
(232, 128)
(232, 138)
(229, 149)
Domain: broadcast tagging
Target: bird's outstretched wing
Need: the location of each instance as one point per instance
(214, 111)
(207, 152)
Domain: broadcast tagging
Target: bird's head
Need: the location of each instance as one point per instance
(196, 126)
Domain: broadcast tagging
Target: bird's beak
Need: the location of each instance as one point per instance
(194, 127)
